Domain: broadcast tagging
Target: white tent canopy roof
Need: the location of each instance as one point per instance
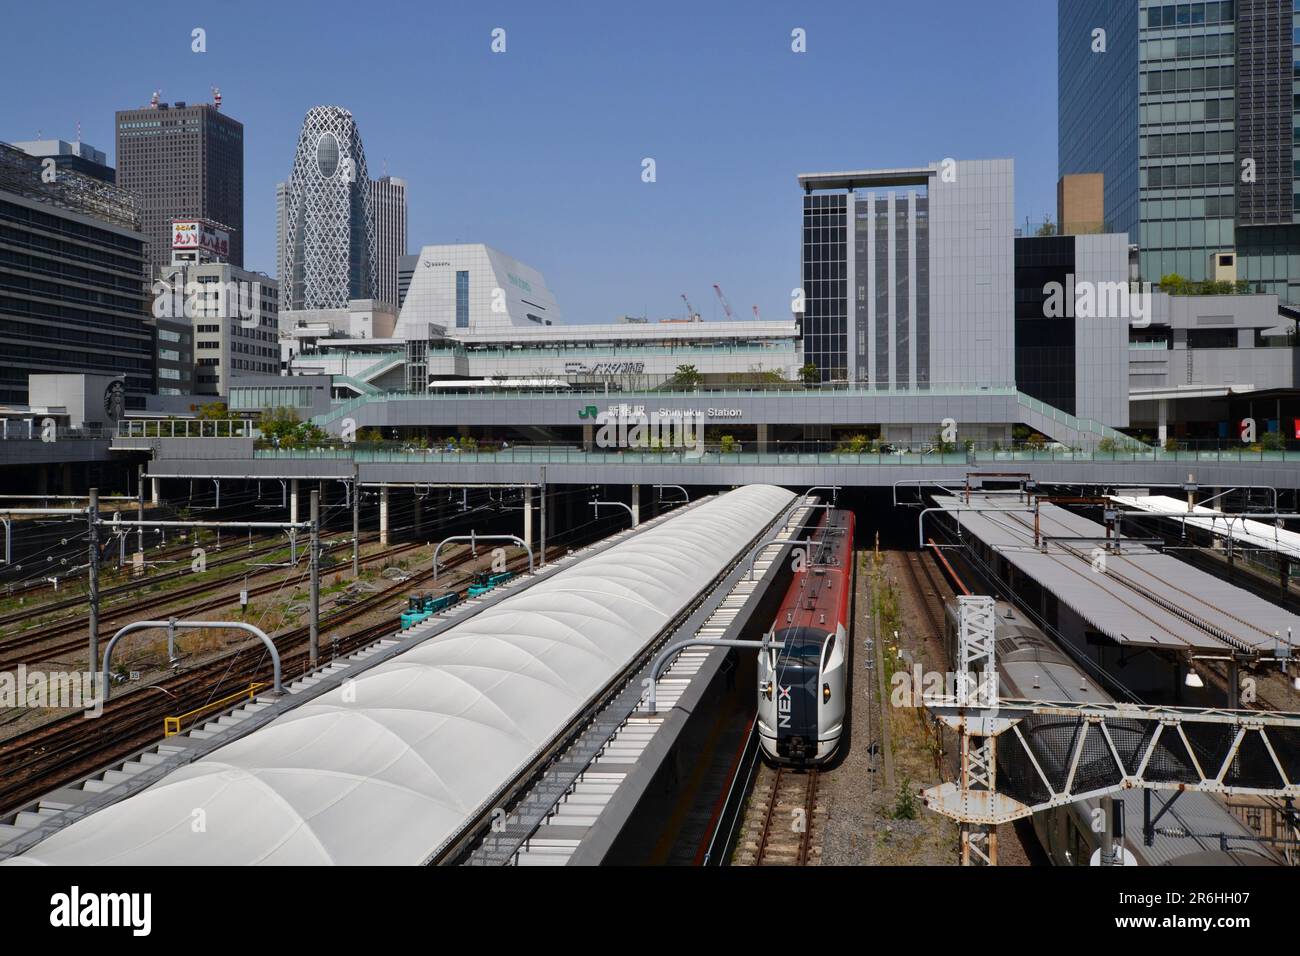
(430, 735)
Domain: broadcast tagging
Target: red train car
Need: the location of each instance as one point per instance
(803, 685)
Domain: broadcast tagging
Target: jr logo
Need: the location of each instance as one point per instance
(783, 706)
(588, 412)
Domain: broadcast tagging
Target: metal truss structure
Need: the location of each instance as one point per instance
(328, 212)
(1053, 754)
(24, 175)
(976, 654)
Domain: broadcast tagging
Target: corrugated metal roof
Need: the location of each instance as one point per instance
(1165, 601)
(384, 769)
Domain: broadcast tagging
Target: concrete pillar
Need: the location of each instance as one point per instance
(588, 437)
(155, 491)
(383, 516)
(636, 505)
(293, 500)
(1162, 421)
(762, 438)
(528, 518)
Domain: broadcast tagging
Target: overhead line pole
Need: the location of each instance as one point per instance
(314, 562)
(139, 511)
(92, 516)
(356, 520)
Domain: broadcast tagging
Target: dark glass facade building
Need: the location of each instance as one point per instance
(1045, 346)
(1098, 102)
(825, 284)
(183, 162)
(72, 281)
(1191, 116)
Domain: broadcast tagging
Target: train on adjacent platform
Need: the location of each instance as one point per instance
(803, 685)
(1198, 828)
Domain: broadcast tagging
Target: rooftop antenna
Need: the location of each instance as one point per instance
(216, 97)
(153, 100)
(78, 132)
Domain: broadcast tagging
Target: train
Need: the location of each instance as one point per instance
(803, 685)
(485, 582)
(423, 606)
(1032, 666)
(420, 607)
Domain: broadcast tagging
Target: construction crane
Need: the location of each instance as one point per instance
(691, 314)
(726, 306)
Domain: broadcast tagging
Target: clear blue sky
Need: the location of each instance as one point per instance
(538, 150)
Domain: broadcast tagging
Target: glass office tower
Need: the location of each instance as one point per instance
(1182, 95)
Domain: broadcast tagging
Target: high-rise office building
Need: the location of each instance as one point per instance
(72, 286)
(182, 161)
(1188, 112)
(907, 275)
(281, 212)
(405, 272)
(328, 248)
(388, 206)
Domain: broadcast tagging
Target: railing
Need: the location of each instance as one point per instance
(187, 428)
(172, 725)
(784, 454)
(21, 430)
(614, 393)
(1084, 425)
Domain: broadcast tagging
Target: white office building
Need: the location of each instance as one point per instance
(474, 288)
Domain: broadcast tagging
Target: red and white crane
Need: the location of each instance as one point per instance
(726, 306)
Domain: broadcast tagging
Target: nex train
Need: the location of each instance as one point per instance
(803, 685)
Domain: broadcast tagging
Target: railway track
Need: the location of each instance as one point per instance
(179, 551)
(926, 587)
(784, 822)
(132, 588)
(34, 647)
(70, 747)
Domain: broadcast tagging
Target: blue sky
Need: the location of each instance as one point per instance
(538, 150)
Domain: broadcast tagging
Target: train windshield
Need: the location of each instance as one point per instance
(803, 645)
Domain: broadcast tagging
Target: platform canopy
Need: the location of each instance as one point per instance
(1133, 595)
(386, 768)
(1244, 532)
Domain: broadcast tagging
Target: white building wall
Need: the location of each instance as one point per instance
(972, 274)
(1101, 341)
(503, 292)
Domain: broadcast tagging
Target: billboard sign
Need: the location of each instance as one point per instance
(196, 234)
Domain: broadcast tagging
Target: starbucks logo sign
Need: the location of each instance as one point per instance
(115, 401)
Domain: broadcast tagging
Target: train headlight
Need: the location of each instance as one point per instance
(826, 693)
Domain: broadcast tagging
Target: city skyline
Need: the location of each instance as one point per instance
(718, 102)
